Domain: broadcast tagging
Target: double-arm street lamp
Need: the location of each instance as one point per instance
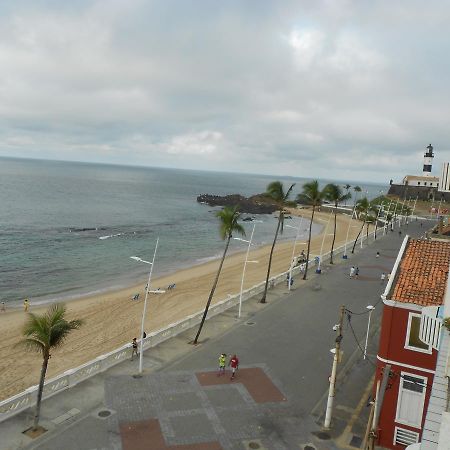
(147, 289)
(249, 242)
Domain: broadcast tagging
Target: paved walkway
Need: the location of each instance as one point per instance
(277, 398)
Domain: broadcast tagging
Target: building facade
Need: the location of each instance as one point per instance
(418, 281)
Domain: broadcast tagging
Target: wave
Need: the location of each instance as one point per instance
(110, 236)
(208, 258)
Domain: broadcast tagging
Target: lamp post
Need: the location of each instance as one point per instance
(319, 270)
(152, 263)
(370, 308)
(386, 221)
(344, 256)
(245, 263)
(293, 249)
(376, 220)
(414, 207)
(394, 216)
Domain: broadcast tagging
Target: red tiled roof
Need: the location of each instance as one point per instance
(423, 272)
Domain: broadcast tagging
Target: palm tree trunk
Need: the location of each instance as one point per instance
(40, 390)
(309, 242)
(334, 236)
(376, 228)
(367, 230)
(208, 303)
(357, 237)
(263, 298)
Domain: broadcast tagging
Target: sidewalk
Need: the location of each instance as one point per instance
(276, 401)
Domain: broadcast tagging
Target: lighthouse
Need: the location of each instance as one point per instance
(428, 161)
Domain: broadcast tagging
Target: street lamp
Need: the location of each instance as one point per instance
(246, 261)
(293, 250)
(344, 256)
(147, 290)
(319, 270)
(370, 308)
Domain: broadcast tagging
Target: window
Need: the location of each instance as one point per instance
(431, 184)
(413, 341)
(405, 437)
(418, 183)
(425, 183)
(411, 397)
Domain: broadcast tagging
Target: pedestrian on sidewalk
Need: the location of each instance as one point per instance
(234, 363)
(352, 271)
(222, 362)
(357, 272)
(134, 348)
(383, 277)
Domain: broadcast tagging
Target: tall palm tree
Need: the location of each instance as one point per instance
(334, 194)
(347, 189)
(362, 206)
(42, 334)
(357, 190)
(312, 195)
(228, 218)
(275, 190)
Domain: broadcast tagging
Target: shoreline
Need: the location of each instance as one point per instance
(135, 282)
(113, 319)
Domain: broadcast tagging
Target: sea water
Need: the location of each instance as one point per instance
(68, 229)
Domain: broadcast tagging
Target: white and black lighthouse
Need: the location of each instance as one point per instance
(428, 161)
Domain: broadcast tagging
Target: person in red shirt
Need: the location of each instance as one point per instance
(234, 363)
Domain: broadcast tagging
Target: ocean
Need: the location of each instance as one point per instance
(68, 229)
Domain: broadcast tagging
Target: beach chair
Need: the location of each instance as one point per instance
(136, 297)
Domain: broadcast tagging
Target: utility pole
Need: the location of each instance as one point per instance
(336, 360)
(378, 404)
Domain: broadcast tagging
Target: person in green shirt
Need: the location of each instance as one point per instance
(222, 362)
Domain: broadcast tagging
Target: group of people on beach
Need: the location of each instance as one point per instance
(233, 363)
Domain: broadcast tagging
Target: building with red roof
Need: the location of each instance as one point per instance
(409, 340)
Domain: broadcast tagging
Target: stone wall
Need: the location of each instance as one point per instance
(421, 192)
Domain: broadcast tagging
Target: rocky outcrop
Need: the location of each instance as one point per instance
(257, 204)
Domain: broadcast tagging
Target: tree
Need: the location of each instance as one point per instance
(228, 218)
(333, 193)
(42, 334)
(313, 196)
(357, 190)
(275, 190)
(347, 189)
(362, 207)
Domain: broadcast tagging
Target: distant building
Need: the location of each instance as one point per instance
(410, 338)
(425, 186)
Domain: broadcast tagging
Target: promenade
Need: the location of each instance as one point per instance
(278, 397)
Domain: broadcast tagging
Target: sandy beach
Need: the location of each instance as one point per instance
(113, 319)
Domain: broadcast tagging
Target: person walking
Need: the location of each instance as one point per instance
(3, 307)
(134, 348)
(234, 363)
(26, 305)
(222, 362)
(352, 271)
(357, 272)
(383, 277)
(377, 255)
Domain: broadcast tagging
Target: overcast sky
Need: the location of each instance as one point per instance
(351, 90)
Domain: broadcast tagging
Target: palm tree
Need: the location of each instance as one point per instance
(347, 188)
(275, 190)
(362, 206)
(357, 189)
(228, 224)
(312, 195)
(334, 194)
(43, 333)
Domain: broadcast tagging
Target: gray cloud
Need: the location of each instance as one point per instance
(343, 89)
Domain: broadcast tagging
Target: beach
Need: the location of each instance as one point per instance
(112, 319)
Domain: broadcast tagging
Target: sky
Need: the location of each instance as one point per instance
(349, 90)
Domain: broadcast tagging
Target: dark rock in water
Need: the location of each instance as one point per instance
(247, 219)
(257, 204)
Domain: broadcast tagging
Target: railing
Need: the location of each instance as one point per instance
(72, 377)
